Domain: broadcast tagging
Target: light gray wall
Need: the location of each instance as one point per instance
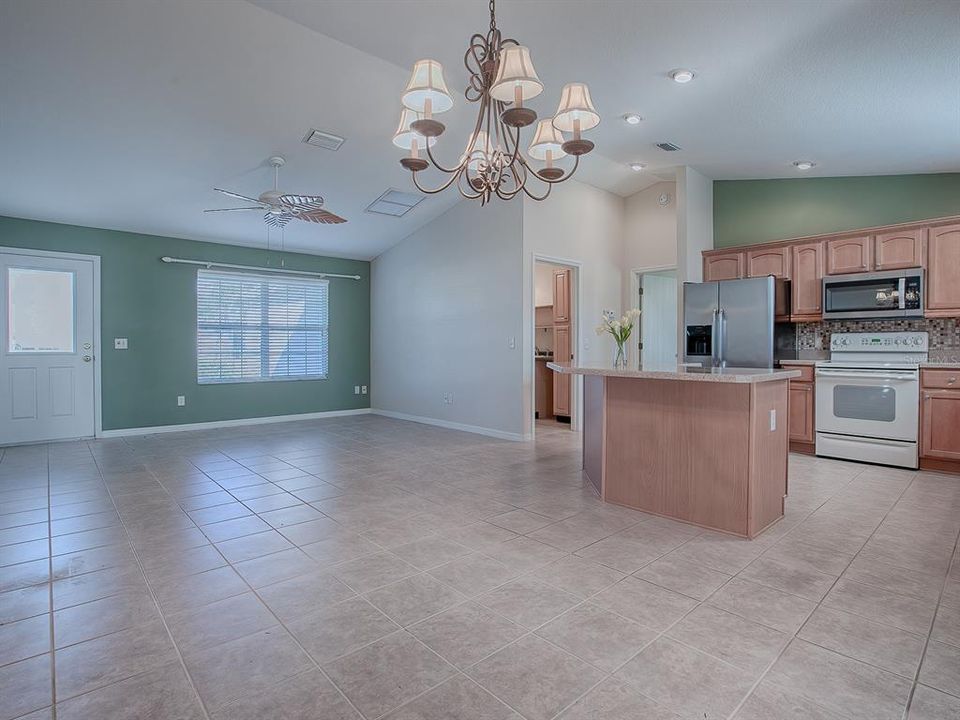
(445, 303)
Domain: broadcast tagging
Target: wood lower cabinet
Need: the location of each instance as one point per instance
(806, 286)
(775, 261)
(543, 380)
(801, 408)
(849, 255)
(899, 249)
(726, 266)
(943, 272)
(561, 382)
(940, 424)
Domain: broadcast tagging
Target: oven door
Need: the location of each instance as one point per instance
(873, 403)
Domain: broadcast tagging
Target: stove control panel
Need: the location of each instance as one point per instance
(917, 342)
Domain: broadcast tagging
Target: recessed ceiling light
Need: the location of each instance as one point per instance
(681, 75)
(804, 164)
(632, 119)
(637, 167)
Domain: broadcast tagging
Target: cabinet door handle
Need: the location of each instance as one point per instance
(951, 381)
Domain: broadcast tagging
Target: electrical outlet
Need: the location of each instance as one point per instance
(512, 343)
(120, 344)
(356, 389)
(363, 389)
(181, 400)
(773, 420)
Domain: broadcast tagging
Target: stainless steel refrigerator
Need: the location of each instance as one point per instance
(732, 323)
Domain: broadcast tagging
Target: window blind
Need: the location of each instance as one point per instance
(257, 327)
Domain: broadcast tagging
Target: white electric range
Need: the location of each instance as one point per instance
(868, 397)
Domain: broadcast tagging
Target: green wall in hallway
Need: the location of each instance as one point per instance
(753, 211)
(154, 305)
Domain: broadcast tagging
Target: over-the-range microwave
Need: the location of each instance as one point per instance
(888, 294)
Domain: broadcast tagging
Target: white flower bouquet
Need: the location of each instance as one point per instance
(620, 330)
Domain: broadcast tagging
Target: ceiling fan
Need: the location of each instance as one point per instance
(281, 208)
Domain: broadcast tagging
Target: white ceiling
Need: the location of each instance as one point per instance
(124, 113)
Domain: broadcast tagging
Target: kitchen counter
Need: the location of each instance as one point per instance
(693, 373)
(708, 447)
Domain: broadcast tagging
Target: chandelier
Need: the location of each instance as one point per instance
(502, 79)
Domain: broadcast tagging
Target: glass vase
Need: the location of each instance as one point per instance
(619, 357)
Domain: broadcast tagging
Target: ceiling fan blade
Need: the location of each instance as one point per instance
(277, 219)
(314, 201)
(324, 217)
(237, 195)
(259, 207)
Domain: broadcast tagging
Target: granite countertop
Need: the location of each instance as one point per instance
(806, 357)
(682, 372)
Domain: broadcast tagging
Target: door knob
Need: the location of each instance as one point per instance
(87, 358)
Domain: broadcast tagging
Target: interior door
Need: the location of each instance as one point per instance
(658, 319)
(47, 354)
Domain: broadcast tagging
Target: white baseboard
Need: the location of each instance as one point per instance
(212, 425)
(476, 429)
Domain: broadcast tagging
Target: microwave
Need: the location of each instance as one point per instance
(890, 294)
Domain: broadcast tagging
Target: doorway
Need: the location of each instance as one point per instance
(554, 340)
(49, 336)
(657, 300)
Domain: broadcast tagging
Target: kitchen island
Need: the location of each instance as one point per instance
(705, 446)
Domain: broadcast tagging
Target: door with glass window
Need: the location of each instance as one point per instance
(47, 356)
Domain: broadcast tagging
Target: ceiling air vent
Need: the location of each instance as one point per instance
(320, 139)
(667, 146)
(395, 203)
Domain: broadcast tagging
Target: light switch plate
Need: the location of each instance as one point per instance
(363, 389)
(181, 400)
(120, 344)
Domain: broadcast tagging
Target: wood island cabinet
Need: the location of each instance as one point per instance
(807, 283)
(725, 266)
(940, 415)
(849, 255)
(943, 272)
(774, 261)
(899, 249)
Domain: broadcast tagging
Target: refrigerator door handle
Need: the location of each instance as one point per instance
(715, 339)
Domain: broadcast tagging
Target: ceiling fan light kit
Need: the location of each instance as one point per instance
(502, 79)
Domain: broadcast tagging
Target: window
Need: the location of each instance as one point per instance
(40, 311)
(259, 327)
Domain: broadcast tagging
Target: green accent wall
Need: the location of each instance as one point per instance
(153, 304)
(754, 211)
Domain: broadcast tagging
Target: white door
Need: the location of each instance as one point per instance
(658, 318)
(47, 354)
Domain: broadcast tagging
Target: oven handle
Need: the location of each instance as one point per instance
(906, 377)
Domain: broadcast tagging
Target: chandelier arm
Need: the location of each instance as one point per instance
(468, 195)
(440, 189)
(440, 167)
(538, 198)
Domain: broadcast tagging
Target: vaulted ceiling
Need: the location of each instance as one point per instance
(124, 113)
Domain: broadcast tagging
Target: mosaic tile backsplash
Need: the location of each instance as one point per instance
(944, 333)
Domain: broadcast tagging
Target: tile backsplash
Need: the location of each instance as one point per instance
(944, 333)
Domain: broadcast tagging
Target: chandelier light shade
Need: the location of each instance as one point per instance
(502, 80)
(404, 137)
(427, 92)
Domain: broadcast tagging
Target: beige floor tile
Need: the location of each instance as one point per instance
(219, 622)
(528, 602)
(912, 614)
(14, 577)
(767, 606)
(414, 599)
(473, 574)
(24, 638)
(338, 547)
(745, 644)
(769, 702)
(247, 667)
(430, 552)
(337, 630)
(686, 680)
(648, 604)
(941, 667)
(249, 547)
(299, 596)
(25, 686)
(520, 521)
(523, 554)
(930, 704)
(238, 527)
(219, 513)
(126, 609)
(789, 576)
(293, 515)
(372, 571)
(388, 673)
(275, 567)
(902, 581)
(597, 636)
(885, 646)
(24, 603)
(158, 694)
(616, 700)
(534, 677)
(841, 684)
(946, 628)
(579, 577)
(465, 634)
(307, 695)
(194, 591)
(696, 581)
(458, 698)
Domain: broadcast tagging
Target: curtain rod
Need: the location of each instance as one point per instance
(208, 265)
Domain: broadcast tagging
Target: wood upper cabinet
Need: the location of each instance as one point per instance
(940, 424)
(774, 261)
(902, 249)
(807, 283)
(943, 271)
(725, 266)
(849, 255)
(561, 382)
(561, 296)
(801, 412)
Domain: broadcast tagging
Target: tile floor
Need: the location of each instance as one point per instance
(366, 567)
